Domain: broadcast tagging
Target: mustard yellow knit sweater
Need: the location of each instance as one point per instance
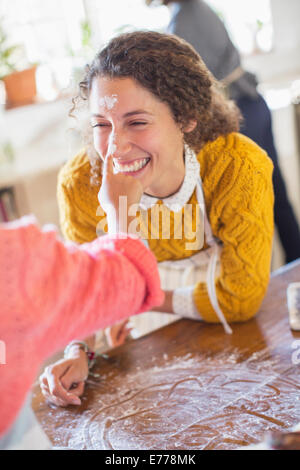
(237, 182)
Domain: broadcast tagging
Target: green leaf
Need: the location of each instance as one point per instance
(86, 33)
(9, 52)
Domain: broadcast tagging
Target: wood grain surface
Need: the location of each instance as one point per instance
(190, 386)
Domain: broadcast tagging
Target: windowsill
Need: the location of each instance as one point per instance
(42, 137)
(63, 96)
(256, 53)
(275, 67)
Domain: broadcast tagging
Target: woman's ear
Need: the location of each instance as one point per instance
(191, 126)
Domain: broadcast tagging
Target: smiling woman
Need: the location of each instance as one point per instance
(167, 138)
(148, 143)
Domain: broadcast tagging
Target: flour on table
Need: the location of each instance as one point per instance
(190, 402)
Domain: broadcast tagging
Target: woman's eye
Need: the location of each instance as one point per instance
(138, 123)
(100, 124)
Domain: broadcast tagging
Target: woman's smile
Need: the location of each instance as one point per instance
(133, 167)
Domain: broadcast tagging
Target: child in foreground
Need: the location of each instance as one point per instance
(52, 293)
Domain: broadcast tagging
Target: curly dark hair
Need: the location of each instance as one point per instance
(172, 71)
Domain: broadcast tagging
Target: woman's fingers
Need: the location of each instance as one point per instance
(122, 336)
(43, 379)
(108, 167)
(117, 333)
(57, 390)
(74, 376)
(75, 389)
(54, 400)
(122, 331)
(50, 398)
(63, 382)
(78, 389)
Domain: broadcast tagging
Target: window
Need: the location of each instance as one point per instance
(248, 23)
(116, 16)
(62, 35)
(46, 29)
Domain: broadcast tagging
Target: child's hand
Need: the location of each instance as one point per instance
(63, 382)
(117, 334)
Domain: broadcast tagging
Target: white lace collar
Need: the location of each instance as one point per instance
(179, 199)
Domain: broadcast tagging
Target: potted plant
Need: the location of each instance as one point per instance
(19, 83)
(83, 55)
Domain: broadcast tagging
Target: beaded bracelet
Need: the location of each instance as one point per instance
(91, 355)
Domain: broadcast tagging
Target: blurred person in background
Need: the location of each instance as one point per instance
(198, 24)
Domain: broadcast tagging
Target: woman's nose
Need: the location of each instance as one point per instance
(120, 143)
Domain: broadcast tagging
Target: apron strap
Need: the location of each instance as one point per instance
(211, 270)
(212, 264)
(211, 287)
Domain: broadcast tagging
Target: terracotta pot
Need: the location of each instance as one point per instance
(20, 88)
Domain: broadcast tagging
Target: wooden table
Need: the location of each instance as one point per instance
(190, 386)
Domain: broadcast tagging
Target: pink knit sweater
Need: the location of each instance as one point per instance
(52, 293)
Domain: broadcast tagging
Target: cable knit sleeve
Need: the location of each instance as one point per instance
(237, 181)
(81, 217)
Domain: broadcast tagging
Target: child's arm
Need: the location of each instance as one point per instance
(97, 284)
(58, 379)
(51, 293)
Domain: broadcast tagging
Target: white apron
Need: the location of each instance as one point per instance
(204, 266)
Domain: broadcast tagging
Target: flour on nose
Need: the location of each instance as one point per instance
(108, 101)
